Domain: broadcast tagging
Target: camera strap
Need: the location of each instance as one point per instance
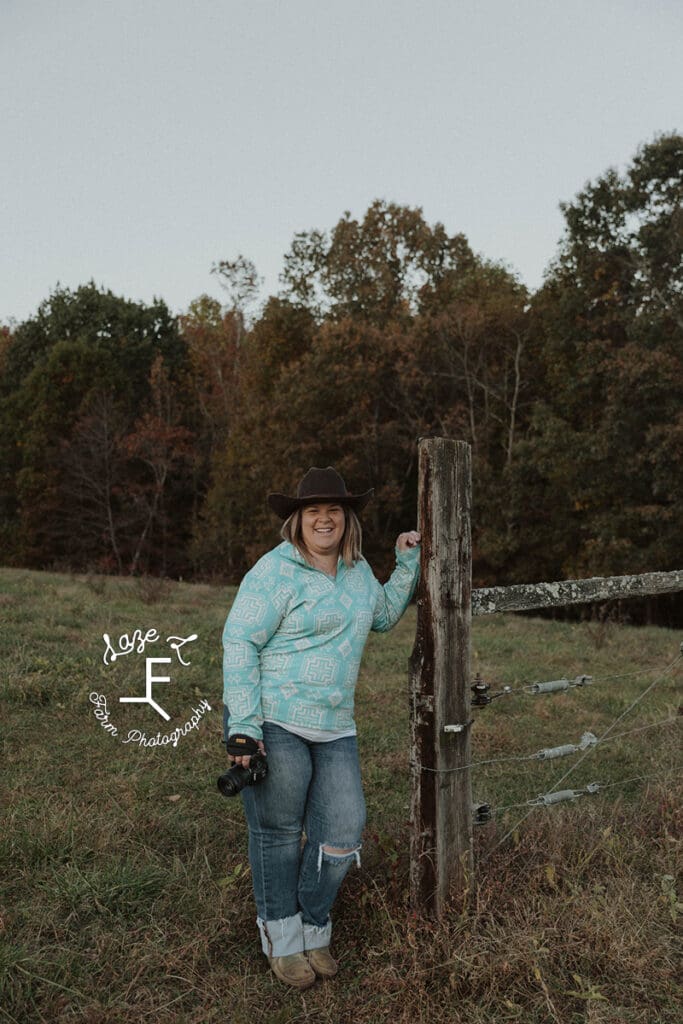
(240, 745)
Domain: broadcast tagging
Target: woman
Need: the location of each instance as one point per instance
(292, 648)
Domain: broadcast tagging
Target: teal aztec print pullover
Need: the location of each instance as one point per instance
(294, 638)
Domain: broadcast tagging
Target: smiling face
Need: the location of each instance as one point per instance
(322, 528)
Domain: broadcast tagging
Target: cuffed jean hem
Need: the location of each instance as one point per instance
(316, 937)
(283, 936)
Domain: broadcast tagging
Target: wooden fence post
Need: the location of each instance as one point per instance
(441, 860)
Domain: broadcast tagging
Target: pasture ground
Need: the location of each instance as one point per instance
(125, 888)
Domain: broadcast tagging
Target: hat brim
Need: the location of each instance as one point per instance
(283, 505)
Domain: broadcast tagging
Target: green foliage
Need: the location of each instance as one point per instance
(609, 331)
(81, 380)
(130, 332)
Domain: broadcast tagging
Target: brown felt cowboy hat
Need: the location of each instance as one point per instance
(319, 485)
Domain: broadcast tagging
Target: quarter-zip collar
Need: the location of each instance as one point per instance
(290, 551)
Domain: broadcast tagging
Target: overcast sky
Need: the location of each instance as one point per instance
(144, 139)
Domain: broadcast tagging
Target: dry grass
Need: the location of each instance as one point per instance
(121, 904)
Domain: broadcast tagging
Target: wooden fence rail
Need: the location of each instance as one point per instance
(528, 596)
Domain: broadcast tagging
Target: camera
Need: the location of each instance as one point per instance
(233, 781)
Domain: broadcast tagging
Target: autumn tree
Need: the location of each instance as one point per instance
(373, 269)
(233, 521)
(88, 526)
(240, 279)
(402, 331)
(155, 448)
(133, 441)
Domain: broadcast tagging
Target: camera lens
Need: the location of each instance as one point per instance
(233, 782)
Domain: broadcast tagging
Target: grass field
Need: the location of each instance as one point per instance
(125, 882)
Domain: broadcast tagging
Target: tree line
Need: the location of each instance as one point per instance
(134, 441)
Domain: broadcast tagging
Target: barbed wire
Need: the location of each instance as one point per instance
(625, 675)
(585, 754)
(528, 687)
(542, 755)
(590, 789)
(642, 728)
(641, 778)
(619, 718)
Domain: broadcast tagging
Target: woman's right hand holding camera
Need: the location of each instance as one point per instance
(246, 758)
(242, 748)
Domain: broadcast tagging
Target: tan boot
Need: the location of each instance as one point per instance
(324, 965)
(294, 970)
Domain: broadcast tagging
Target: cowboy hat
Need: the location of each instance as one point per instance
(318, 485)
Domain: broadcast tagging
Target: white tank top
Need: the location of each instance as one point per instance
(314, 735)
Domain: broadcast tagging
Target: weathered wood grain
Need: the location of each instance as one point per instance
(441, 837)
(527, 596)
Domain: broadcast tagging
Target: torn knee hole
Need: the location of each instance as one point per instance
(338, 854)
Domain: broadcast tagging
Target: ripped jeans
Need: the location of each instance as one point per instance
(313, 788)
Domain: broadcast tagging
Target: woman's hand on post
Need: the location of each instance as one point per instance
(244, 759)
(407, 540)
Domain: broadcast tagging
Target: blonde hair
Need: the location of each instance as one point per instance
(351, 542)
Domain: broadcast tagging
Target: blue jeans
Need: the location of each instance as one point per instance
(313, 788)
